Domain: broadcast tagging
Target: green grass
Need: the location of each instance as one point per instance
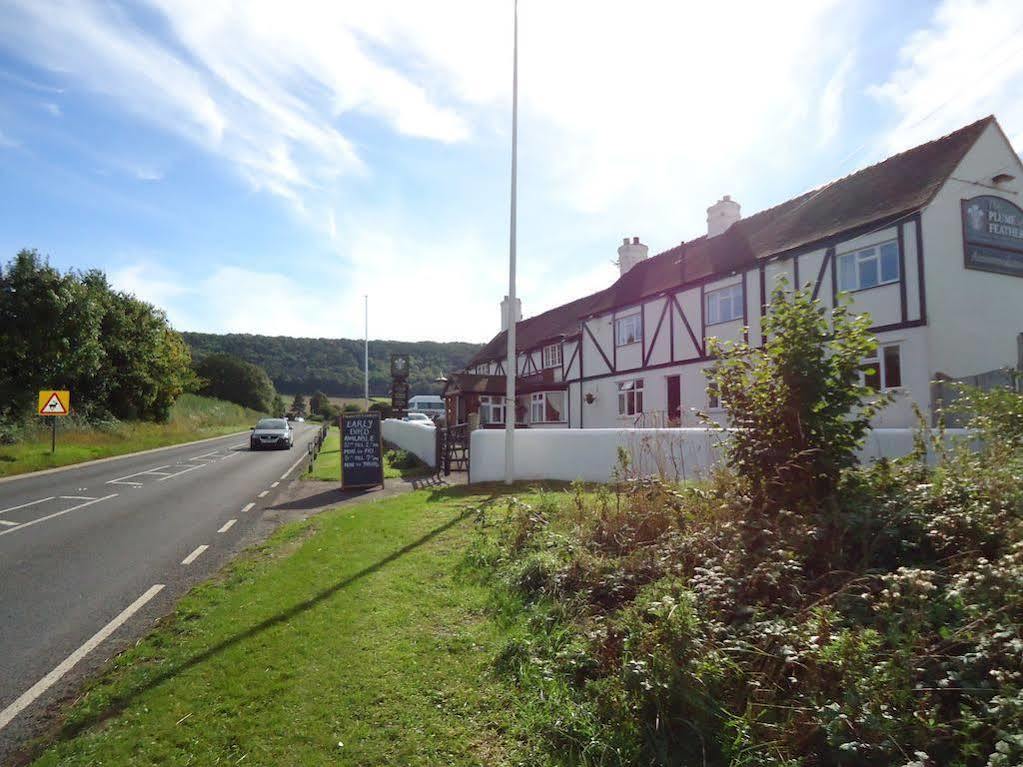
(327, 466)
(192, 417)
(356, 627)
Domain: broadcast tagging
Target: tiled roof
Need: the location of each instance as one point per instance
(898, 185)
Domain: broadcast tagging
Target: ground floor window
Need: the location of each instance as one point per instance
(713, 397)
(547, 407)
(630, 397)
(883, 370)
(491, 409)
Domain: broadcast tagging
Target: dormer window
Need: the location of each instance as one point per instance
(552, 356)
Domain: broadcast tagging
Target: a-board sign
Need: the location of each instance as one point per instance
(362, 459)
(54, 402)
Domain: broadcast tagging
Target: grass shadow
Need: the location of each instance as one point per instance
(120, 702)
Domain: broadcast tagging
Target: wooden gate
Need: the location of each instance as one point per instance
(453, 450)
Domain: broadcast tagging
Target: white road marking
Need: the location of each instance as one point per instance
(183, 471)
(274, 484)
(227, 526)
(194, 555)
(240, 444)
(124, 480)
(30, 503)
(248, 506)
(229, 455)
(29, 696)
(210, 455)
(9, 523)
(58, 514)
(293, 466)
(78, 497)
(263, 494)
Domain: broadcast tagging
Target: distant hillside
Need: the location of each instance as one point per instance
(334, 366)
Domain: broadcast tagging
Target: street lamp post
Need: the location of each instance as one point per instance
(509, 402)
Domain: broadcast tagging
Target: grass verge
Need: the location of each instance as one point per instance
(327, 466)
(192, 418)
(348, 639)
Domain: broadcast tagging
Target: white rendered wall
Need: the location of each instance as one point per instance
(417, 438)
(591, 455)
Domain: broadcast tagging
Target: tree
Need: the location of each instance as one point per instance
(298, 405)
(233, 379)
(351, 407)
(317, 401)
(797, 407)
(279, 409)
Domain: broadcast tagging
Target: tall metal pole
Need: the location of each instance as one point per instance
(366, 355)
(509, 401)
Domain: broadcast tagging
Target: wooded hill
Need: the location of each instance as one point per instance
(334, 366)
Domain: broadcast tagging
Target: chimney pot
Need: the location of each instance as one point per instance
(635, 240)
(625, 240)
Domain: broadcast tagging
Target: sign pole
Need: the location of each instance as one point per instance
(509, 399)
(53, 434)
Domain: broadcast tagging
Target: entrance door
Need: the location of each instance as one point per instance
(675, 399)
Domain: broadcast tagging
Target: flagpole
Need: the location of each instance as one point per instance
(366, 354)
(510, 368)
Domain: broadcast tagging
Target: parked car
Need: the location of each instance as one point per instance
(418, 418)
(299, 419)
(272, 432)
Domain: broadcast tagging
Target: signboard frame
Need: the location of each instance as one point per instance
(982, 251)
(376, 428)
(63, 399)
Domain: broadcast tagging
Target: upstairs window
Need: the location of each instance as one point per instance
(628, 330)
(630, 397)
(552, 356)
(724, 305)
(884, 369)
(868, 268)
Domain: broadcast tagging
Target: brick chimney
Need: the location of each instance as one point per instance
(722, 215)
(630, 254)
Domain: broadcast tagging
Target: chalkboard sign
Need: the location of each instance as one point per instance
(362, 460)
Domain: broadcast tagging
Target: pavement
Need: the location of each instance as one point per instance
(92, 555)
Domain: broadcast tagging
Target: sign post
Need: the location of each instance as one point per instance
(54, 403)
(362, 457)
(399, 385)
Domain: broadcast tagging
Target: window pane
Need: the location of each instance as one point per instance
(555, 406)
(847, 272)
(868, 269)
(639, 402)
(892, 366)
(889, 262)
(712, 309)
(872, 375)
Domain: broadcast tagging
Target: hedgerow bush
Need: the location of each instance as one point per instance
(876, 619)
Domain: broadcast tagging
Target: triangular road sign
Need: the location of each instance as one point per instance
(53, 406)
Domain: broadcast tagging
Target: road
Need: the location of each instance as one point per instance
(91, 554)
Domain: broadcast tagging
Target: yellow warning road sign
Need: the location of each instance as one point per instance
(54, 402)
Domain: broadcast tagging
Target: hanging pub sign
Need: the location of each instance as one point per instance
(399, 398)
(399, 367)
(993, 235)
(362, 459)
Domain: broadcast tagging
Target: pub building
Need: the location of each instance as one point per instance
(929, 242)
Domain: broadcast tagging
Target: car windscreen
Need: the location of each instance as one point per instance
(272, 423)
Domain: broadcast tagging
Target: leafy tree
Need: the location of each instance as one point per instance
(317, 401)
(797, 407)
(227, 377)
(279, 408)
(298, 405)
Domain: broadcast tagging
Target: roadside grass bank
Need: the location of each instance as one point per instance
(398, 464)
(352, 638)
(192, 418)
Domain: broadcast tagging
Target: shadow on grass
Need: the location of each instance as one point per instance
(120, 702)
(331, 497)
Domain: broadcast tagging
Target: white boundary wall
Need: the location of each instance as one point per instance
(417, 438)
(592, 454)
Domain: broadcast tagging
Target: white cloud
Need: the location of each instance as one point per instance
(964, 65)
(53, 109)
(6, 142)
(829, 111)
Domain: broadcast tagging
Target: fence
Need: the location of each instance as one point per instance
(420, 439)
(592, 454)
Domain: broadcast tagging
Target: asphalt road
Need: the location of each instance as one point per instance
(91, 554)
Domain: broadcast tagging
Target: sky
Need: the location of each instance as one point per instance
(261, 166)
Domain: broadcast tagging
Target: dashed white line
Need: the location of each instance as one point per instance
(292, 468)
(240, 444)
(183, 471)
(9, 523)
(227, 526)
(194, 555)
(30, 503)
(248, 506)
(57, 514)
(263, 494)
(78, 497)
(29, 696)
(274, 484)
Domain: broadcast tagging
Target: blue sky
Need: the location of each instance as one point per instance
(259, 166)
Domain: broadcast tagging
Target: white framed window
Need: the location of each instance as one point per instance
(724, 304)
(491, 409)
(628, 330)
(869, 267)
(552, 356)
(547, 407)
(883, 370)
(714, 401)
(630, 397)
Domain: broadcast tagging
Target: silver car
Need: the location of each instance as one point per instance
(272, 432)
